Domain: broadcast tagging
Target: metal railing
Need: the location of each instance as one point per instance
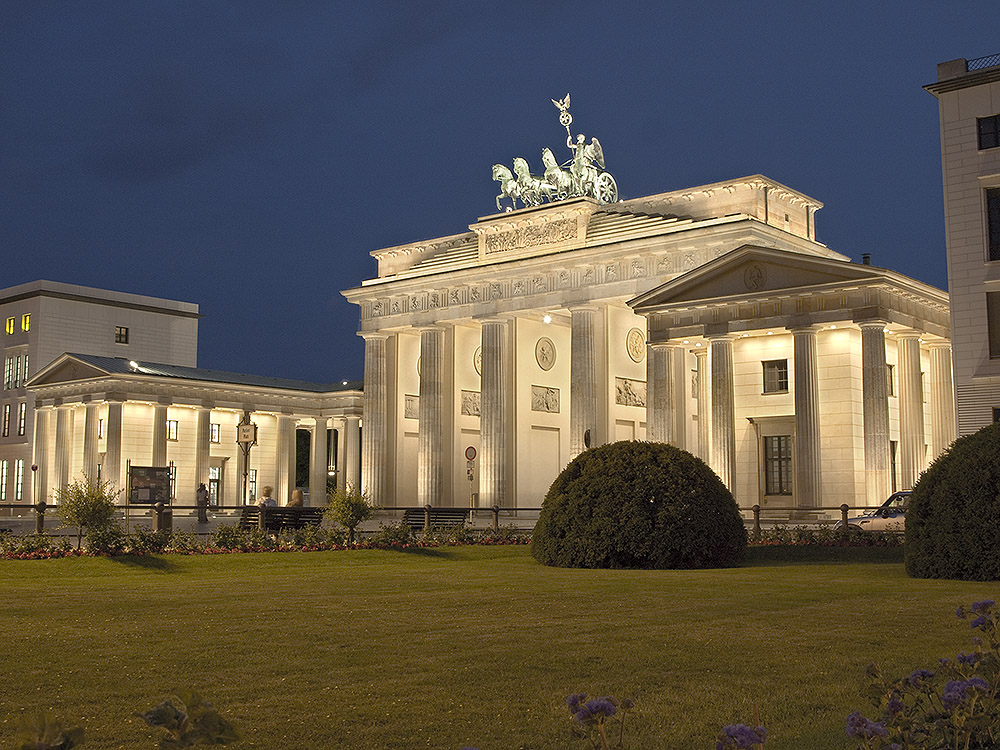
(982, 62)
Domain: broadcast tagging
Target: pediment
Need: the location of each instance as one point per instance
(754, 272)
(67, 369)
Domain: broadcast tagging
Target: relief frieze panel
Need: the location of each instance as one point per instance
(545, 399)
(471, 404)
(537, 235)
(630, 392)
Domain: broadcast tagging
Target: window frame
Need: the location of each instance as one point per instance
(26, 322)
(992, 138)
(9, 326)
(778, 469)
(22, 417)
(779, 366)
(214, 432)
(121, 335)
(173, 429)
(5, 429)
(991, 215)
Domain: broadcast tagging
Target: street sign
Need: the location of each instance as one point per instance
(246, 433)
(470, 453)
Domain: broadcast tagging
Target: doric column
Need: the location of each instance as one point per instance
(583, 381)
(493, 415)
(875, 406)
(112, 471)
(911, 409)
(723, 448)
(284, 459)
(808, 485)
(203, 445)
(352, 452)
(375, 409)
(64, 445)
(678, 396)
(942, 398)
(318, 462)
(430, 451)
(659, 393)
(91, 418)
(159, 457)
(40, 455)
(703, 397)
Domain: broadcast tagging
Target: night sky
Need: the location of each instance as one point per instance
(247, 156)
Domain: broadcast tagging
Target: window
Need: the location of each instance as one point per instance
(214, 484)
(988, 131)
(893, 449)
(171, 429)
(100, 429)
(26, 322)
(6, 420)
(214, 433)
(778, 465)
(890, 374)
(22, 410)
(25, 370)
(121, 335)
(252, 483)
(993, 323)
(3, 480)
(775, 376)
(9, 327)
(17, 372)
(996, 414)
(19, 480)
(8, 372)
(993, 223)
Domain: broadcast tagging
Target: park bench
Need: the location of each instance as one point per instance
(280, 519)
(440, 518)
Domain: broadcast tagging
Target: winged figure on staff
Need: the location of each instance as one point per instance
(583, 175)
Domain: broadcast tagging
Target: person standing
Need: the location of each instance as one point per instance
(201, 500)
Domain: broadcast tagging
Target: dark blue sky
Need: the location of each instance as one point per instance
(248, 156)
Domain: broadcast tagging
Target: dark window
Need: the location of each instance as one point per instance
(890, 374)
(996, 414)
(778, 465)
(993, 323)
(993, 223)
(121, 335)
(892, 464)
(775, 376)
(989, 131)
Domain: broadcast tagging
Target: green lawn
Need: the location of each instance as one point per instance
(460, 646)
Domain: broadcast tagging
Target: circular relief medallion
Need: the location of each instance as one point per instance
(477, 361)
(545, 353)
(635, 343)
(754, 277)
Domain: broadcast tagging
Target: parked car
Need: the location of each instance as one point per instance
(890, 516)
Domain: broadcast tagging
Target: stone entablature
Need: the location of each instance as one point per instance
(553, 228)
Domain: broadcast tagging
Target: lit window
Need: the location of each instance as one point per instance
(22, 410)
(17, 372)
(214, 432)
(778, 465)
(171, 429)
(9, 327)
(25, 371)
(890, 378)
(993, 323)
(3, 480)
(6, 420)
(988, 130)
(775, 376)
(26, 322)
(8, 372)
(121, 335)
(993, 223)
(19, 480)
(252, 483)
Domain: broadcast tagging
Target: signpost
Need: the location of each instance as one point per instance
(470, 466)
(246, 437)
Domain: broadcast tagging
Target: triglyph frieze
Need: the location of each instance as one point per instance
(545, 399)
(630, 392)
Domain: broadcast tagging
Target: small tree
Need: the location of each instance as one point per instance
(349, 506)
(88, 504)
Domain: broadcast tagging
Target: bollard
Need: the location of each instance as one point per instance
(427, 518)
(262, 518)
(40, 517)
(157, 516)
(843, 518)
(756, 520)
(496, 517)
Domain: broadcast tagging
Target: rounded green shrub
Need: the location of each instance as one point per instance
(953, 518)
(638, 505)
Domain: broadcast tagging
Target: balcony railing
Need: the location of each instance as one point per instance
(982, 62)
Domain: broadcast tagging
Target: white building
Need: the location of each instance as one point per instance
(525, 339)
(968, 93)
(43, 319)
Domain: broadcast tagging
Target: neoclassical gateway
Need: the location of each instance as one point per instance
(710, 318)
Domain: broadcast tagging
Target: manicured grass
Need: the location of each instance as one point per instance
(478, 646)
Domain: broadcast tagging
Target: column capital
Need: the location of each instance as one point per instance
(908, 333)
(720, 335)
(352, 417)
(872, 323)
(584, 307)
(374, 335)
(940, 344)
(803, 328)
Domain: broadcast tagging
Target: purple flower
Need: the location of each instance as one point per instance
(983, 606)
(956, 692)
(894, 706)
(858, 727)
(917, 678)
(573, 702)
(960, 613)
(740, 736)
(970, 659)
(979, 622)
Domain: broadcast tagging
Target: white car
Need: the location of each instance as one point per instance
(890, 516)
